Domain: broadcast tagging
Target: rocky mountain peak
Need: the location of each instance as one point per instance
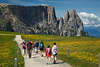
(51, 15)
(66, 12)
(73, 11)
(66, 16)
(71, 25)
(39, 20)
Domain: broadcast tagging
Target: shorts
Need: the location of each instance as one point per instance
(41, 48)
(48, 55)
(54, 54)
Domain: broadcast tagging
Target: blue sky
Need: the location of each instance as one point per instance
(89, 6)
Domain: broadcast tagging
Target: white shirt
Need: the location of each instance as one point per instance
(53, 49)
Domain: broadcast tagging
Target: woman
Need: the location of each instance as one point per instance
(41, 46)
(48, 54)
(24, 47)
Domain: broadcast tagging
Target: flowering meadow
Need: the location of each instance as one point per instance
(83, 51)
(8, 51)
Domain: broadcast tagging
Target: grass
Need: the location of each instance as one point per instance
(8, 51)
(83, 50)
(7, 32)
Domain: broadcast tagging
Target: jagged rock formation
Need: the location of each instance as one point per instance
(61, 22)
(39, 20)
(71, 25)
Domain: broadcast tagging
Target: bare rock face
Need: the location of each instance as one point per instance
(61, 22)
(72, 25)
(66, 16)
(76, 23)
(39, 20)
(66, 25)
(30, 19)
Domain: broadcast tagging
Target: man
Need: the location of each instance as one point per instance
(29, 48)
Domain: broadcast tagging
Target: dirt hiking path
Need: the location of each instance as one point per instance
(37, 60)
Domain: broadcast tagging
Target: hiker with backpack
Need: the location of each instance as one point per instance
(36, 45)
(29, 48)
(48, 54)
(24, 47)
(54, 52)
(41, 47)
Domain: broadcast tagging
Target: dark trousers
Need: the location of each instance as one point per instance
(29, 52)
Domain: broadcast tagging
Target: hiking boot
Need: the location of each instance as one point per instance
(54, 62)
(29, 55)
(47, 63)
(42, 55)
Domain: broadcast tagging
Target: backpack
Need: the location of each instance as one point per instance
(49, 51)
(24, 45)
(36, 44)
(29, 45)
(55, 51)
(41, 45)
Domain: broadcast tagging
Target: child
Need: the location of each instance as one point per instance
(54, 52)
(48, 54)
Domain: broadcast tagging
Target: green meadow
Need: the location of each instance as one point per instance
(8, 51)
(83, 51)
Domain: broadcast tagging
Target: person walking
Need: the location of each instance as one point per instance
(29, 47)
(33, 48)
(54, 52)
(48, 54)
(24, 46)
(41, 47)
(36, 46)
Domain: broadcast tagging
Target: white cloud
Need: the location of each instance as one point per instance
(90, 19)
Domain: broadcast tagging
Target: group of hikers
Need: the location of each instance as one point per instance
(30, 47)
